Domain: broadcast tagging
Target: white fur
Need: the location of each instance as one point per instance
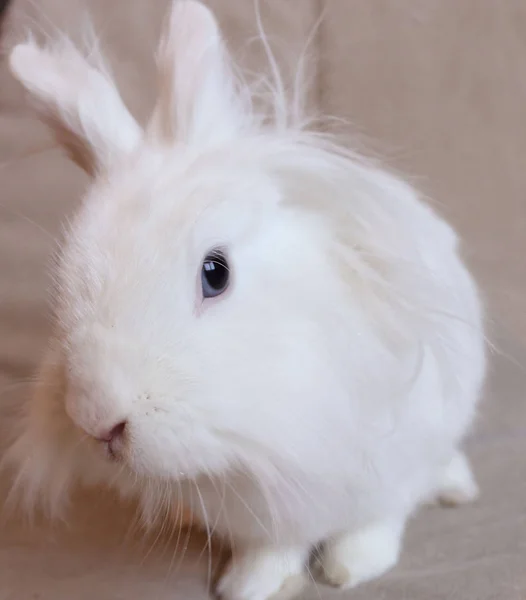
(321, 398)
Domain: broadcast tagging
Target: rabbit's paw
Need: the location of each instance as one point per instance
(264, 574)
(457, 485)
(357, 557)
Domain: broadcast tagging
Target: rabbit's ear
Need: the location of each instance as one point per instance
(197, 100)
(79, 101)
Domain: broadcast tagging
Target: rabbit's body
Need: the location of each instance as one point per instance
(314, 389)
(355, 448)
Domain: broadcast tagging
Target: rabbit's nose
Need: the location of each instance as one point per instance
(114, 433)
(113, 438)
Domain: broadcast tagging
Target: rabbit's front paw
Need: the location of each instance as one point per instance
(457, 485)
(264, 574)
(357, 557)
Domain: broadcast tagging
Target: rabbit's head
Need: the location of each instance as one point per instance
(205, 288)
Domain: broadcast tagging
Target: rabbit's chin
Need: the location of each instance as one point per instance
(48, 459)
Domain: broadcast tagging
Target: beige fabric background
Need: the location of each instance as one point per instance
(438, 87)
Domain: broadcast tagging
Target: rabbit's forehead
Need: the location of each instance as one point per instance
(164, 210)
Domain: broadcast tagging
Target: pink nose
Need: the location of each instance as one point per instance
(114, 433)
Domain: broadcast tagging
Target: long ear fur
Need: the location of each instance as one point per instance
(198, 101)
(79, 101)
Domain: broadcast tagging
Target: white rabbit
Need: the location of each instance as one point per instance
(250, 320)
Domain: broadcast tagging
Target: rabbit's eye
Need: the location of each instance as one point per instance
(215, 274)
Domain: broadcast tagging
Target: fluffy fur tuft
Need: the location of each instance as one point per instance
(323, 397)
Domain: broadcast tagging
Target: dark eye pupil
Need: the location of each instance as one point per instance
(214, 275)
